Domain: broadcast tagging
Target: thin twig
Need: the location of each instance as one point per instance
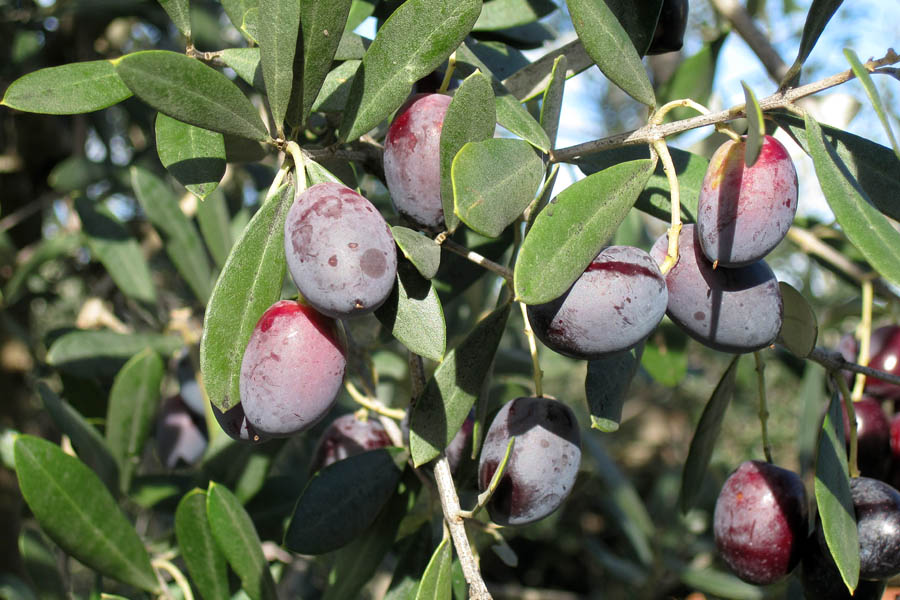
(475, 258)
(834, 361)
(650, 132)
(853, 458)
(372, 404)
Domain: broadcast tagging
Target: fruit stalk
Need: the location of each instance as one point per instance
(763, 406)
(675, 205)
(532, 347)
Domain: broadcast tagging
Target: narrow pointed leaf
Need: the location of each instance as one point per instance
(87, 441)
(756, 127)
(102, 353)
(68, 89)
(531, 80)
(471, 117)
(245, 63)
(335, 89)
(415, 40)
(179, 12)
(414, 315)
(79, 514)
(872, 92)
(236, 9)
(571, 230)
(874, 167)
(356, 563)
(606, 386)
(833, 498)
(237, 539)
(820, 12)
(866, 228)
(799, 328)
(250, 25)
(183, 244)
(132, 405)
(551, 107)
(638, 19)
(277, 47)
(705, 437)
(720, 584)
(113, 246)
(493, 182)
(249, 283)
(419, 249)
(450, 393)
(337, 504)
(214, 222)
(323, 22)
(39, 562)
(435, 584)
(205, 562)
(510, 113)
(187, 90)
(194, 156)
(611, 48)
(503, 14)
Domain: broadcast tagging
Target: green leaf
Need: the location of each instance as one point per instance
(237, 539)
(569, 233)
(249, 283)
(356, 563)
(179, 12)
(250, 25)
(205, 562)
(337, 504)
(720, 584)
(75, 173)
(450, 393)
(277, 46)
(113, 246)
(102, 353)
(471, 117)
(323, 22)
(820, 12)
(531, 80)
(874, 167)
(182, 241)
(866, 228)
(510, 113)
(245, 63)
(186, 89)
(611, 48)
(435, 584)
(67, 89)
(87, 441)
(799, 327)
(413, 314)
(872, 92)
(132, 404)
(606, 386)
(44, 251)
(236, 9)
(79, 514)
(503, 14)
(693, 78)
(421, 250)
(638, 19)
(756, 127)
(414, 41)
(214, 221)
(194, 156)
(833, 496)
(336, 88)
(705, 437)
(665, 357)
(39, 562)
(551, 106)
(494, 180)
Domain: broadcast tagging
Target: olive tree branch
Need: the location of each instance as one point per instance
(834, 361)
(783, 99)
(743, 23)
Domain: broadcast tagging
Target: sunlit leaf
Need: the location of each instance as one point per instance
(413, 314)
(531, 80)
(79, 514)
(322, 22)
(180, 13)
(419, 249)
(572, 229)
(872, 92)
(194, 156)
(756, 127)
(817, 17)
(68, 89)
(205, 562)
(551, 106)
(102, 353)
(277, 46)
(435, 584)
(503, 14)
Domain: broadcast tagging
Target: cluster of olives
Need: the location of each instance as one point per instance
(760, 520)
